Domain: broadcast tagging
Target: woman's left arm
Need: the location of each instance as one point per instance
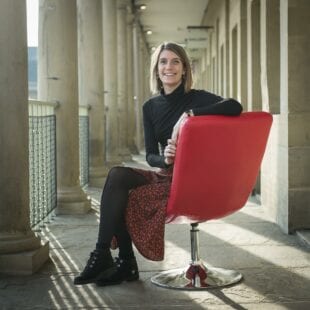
(229, 107)
(223, 107)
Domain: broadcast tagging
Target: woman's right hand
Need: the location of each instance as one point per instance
(169, 152)
(177, 126)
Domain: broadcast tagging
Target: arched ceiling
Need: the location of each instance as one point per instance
(173, 20)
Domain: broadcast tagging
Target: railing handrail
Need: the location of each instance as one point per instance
(84, 109)
(43, 103)
(41, 108)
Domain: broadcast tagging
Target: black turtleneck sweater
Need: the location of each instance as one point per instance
(161, 113)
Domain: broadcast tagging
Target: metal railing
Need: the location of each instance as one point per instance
(42, 161)
(42, 158)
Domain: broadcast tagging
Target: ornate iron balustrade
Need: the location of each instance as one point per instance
(42, 158)
(42, 161)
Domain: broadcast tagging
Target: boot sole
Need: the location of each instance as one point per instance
(105, 273)
(107, 283)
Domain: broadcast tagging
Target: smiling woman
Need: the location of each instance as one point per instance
(134, 191)
(170, 63)
(170, 71)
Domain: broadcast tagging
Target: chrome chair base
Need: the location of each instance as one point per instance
(196, 277)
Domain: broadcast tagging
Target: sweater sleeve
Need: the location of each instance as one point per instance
(222, 107)
(211, 104)
(153, 157)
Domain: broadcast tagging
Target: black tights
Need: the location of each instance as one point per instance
(112, 209)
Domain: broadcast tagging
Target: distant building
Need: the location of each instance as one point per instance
(32, 72)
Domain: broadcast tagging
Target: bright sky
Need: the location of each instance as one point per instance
(32, 22)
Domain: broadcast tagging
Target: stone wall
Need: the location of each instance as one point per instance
(258, 53)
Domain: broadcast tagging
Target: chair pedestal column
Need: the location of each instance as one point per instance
(196, 276)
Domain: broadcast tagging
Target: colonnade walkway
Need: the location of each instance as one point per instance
(275, 267)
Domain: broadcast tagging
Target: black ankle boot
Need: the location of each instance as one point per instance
(99, 264)
(127, 270)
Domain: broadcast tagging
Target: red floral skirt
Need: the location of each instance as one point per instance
(146, 213)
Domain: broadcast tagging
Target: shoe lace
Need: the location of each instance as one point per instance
(118, 262)
(122, 264)
(92, 259)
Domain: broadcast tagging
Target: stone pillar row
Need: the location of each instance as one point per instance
(114, 115)
(85, 57)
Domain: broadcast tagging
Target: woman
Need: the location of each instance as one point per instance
(133, 199)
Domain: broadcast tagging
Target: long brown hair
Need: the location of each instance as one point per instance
(155, 82)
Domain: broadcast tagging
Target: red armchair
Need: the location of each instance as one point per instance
(215, 170)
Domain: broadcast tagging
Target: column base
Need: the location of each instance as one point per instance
(133, 149)
(97, 176)
(16, 242)
(96, 181)
(72, 200)
(126, 155)
(113, 161)
(24, 263)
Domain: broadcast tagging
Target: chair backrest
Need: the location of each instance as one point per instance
(216, 165)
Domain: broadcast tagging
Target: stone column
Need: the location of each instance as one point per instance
(130, 84)
(208, 62)
(216, 57)
(270, 54)
(243, 55)
(21, 251)
(58, 81)
(145, 72)
(91, 84)
(110, 81)
(227, 46)
(286, 165)
(254, 101)
(122, 95)
(298, 110)
(253, 43)
(142, 80)
(137, 82)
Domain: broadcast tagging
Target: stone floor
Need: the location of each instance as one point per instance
(275, 266)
